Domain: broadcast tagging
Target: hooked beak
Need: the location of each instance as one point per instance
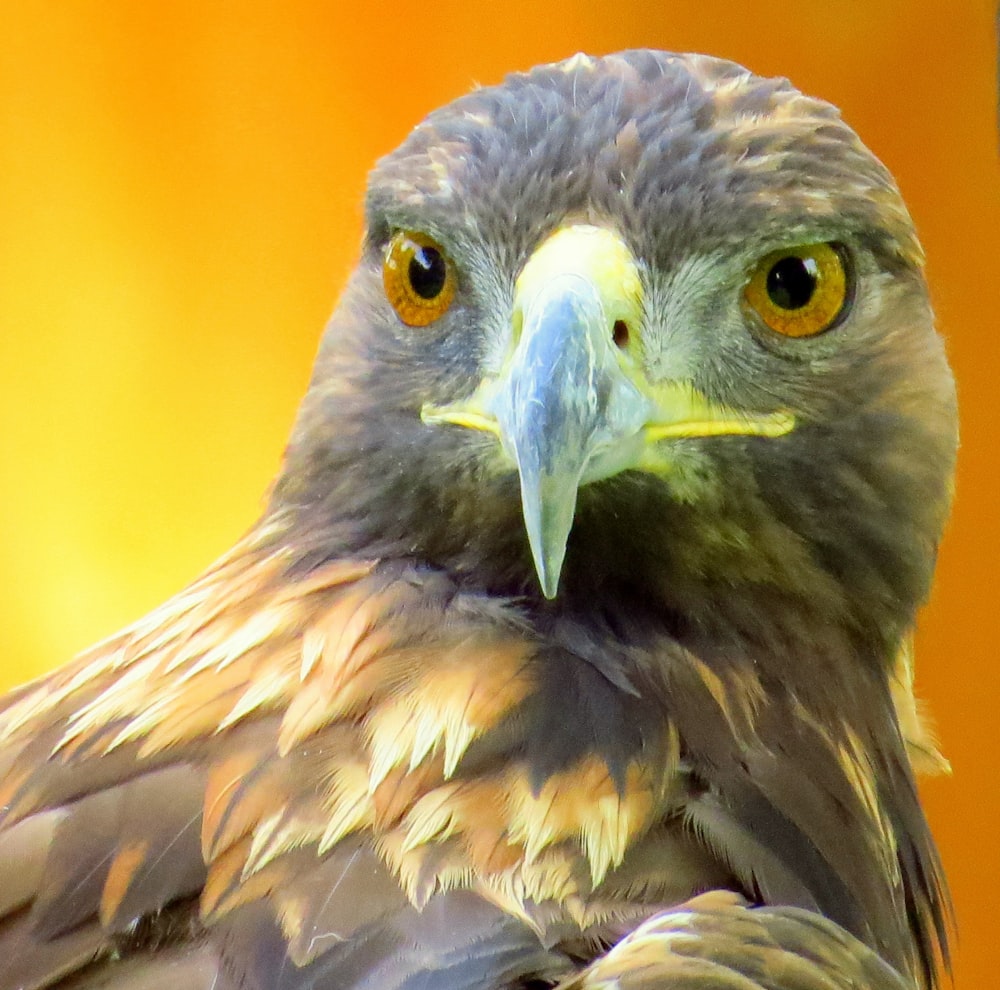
(571, 404)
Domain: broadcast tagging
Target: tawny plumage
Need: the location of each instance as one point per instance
(573, 645)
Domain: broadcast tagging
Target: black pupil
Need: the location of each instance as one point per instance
(427, 272)
(791, 282)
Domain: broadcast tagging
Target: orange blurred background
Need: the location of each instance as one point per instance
(180, 192)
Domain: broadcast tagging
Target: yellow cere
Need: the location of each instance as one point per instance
(596, 254)
(799, 291)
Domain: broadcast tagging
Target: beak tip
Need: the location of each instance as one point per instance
(550, 586)
(548, 524)
(548, 568)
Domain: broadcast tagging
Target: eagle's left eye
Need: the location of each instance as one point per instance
(801, 291)
(419, 278)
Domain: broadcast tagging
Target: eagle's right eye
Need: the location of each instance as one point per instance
(419, 278)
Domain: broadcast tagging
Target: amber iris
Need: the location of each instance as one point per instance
(419, 279)
(800, 291)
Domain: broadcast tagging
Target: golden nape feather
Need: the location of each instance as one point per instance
(574, 645)
(914, 721)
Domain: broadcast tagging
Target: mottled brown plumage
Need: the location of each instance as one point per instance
(367, 750)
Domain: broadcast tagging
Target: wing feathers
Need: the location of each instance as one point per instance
(188, 968)
(25, 849)
(26, 967)
(77, 866)
(158, 858)
(718, 942)
(328, 903)
(293, 752)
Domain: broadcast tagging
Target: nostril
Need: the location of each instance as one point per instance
(619, 334)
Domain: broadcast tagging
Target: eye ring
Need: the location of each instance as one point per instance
(418, 277)
(802, 291)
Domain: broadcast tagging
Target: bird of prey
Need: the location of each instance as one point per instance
(572, 645)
